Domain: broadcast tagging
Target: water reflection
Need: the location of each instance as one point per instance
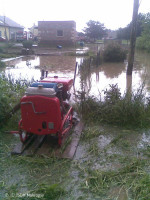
(23, 68)
(112, 70)
(96, 79)
(129, 83)
(58, 64)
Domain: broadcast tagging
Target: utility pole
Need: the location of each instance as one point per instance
(133, 37)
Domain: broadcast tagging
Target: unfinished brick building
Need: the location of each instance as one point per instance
(54, 33)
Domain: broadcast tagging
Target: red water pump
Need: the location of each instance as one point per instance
(44, 109)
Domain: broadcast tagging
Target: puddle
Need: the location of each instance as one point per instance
(144, 141)
(103, 141)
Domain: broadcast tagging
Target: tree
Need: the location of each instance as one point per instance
(95, 30)
(124, 33)
(140, 22)
(143, 42)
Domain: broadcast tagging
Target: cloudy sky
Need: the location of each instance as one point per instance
(113, 13)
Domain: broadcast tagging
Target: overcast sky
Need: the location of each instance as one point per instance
(113, 13)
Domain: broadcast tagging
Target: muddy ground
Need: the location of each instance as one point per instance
(110, 163)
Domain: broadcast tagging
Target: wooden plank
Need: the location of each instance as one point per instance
(72, 147)
(20, 147)
(35, 145)
(47, 147)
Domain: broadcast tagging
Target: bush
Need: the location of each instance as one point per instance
(143, 42)
(2, 64)
(1, 50)
(27, 44)
(10, 95)
(129, 110)
(114, 53)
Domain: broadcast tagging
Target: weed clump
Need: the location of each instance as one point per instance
(2, 64)
(129, 110)
(11, 91)
(114, 53)
(52, 192)
(27, 44)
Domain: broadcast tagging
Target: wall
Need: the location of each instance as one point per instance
(57, 32)
(2, 29)
(12, 32)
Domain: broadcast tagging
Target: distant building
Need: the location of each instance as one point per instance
(34, 31)
(9, 28)
(57, 32)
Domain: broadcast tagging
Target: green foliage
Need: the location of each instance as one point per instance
(51, 192)
(124, 33)
(95, 30)
(27, 44)
(1, 49)
(113, 52)
(5, 55)
(10, 94)
(143, 42)
(2, 64)
(129, 110)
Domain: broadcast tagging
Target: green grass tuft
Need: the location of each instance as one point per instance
(130, 110)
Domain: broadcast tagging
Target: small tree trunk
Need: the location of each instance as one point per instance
(133, 38)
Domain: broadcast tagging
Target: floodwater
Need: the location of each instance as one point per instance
(96, 79)
(98, 152)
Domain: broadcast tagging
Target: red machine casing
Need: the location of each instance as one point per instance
(40, 115)
(67, 83)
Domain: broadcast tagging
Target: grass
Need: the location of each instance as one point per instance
(130, 110)
(88, 53)
(4, 55)
(52, 178)
(91, 132)
(126, 42)
(32, 175)
(132, 177)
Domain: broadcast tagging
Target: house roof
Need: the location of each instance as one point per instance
(9, 22)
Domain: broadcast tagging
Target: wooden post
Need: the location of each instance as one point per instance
(133, 37)
(75, 73)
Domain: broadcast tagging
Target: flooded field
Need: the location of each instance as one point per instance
(110, 162)
(96, 80)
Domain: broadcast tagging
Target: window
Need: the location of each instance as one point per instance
(59, 33)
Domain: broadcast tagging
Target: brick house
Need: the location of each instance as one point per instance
(57, 33)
